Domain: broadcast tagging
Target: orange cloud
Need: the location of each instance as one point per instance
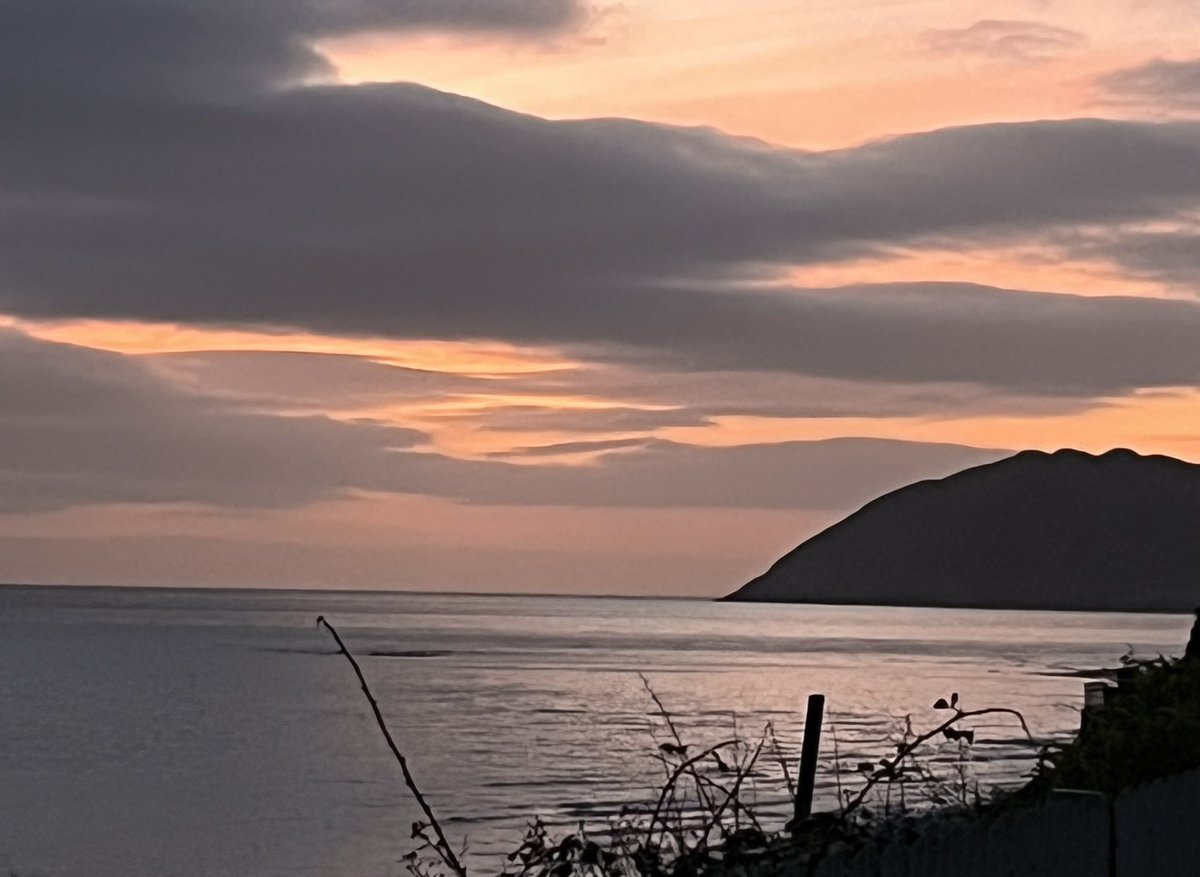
(1020, 267)
(477, 359)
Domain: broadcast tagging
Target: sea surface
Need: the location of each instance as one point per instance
(171, 733)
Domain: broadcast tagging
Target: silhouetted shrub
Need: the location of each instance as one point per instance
(1148, 728)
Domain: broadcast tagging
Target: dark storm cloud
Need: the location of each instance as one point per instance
(82, 426)
(394, 209)
(1157, 84)
(131, 48)
(414, 212)
(1005, 40)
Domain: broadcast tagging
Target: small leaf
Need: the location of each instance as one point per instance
(954, 699)
(590, 854)
(941, 704)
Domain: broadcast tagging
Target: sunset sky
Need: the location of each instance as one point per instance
(568, 296)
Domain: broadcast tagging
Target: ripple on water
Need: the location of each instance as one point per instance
(157, 721)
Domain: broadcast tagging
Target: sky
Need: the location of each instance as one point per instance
(570, 296)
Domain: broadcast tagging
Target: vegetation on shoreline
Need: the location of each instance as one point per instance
(1148, 728)
(704, 820)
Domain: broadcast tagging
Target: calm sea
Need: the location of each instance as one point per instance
(155, 733)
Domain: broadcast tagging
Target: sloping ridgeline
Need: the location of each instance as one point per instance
(1067, 530)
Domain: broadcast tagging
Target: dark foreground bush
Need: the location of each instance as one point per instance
(1148, 728)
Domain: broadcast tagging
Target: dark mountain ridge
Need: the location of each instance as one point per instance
(1067, 530)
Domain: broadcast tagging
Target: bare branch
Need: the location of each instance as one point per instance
(666, 716)
(687, 766)
(442, 846)
(888, 766)
(787, 775)
(732, 794)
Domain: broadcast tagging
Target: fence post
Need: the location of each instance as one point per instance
(809, 751)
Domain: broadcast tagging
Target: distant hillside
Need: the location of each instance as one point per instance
(1066, 530)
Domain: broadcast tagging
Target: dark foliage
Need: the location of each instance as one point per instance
(1148, 728)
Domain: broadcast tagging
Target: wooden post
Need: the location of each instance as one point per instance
(1095, 698)
(808, 755)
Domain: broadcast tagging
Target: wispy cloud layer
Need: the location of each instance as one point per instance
(1005, 40)
(83, 426)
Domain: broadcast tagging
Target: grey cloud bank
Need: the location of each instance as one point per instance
(400, 210)
(221, 48)
(322, 209)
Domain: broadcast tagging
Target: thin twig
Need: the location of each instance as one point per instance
(888, 767)
(732, 794)
(684, 767)
(787, 774)
(443, 848)
(662, 710)
(738, 805)
(705, 800)
(837, 766)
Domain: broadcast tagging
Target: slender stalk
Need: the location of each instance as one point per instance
(837, 767)
(705, 800)
(662, 710)
(443, 848)
(787, 775)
